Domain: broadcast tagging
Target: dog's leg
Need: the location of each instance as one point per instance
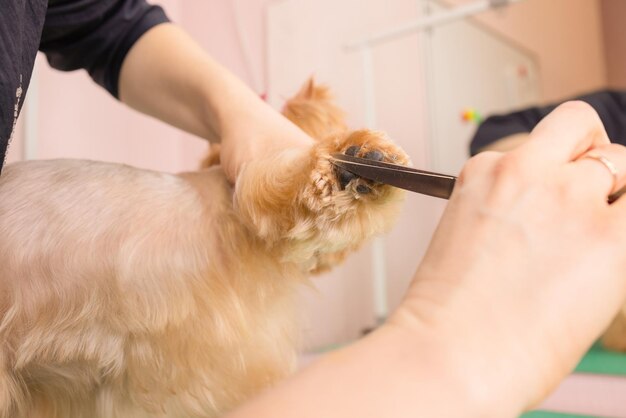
(300, 204)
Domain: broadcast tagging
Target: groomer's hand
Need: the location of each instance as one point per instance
(255, 130)
(527, 267)
(524, 272)
(166, 74)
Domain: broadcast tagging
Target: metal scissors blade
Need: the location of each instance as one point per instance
(419, 181)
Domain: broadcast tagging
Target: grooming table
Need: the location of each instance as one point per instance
(596, 389)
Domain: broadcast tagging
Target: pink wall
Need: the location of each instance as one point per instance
(239, 46)
(567, 37)
(613, 12)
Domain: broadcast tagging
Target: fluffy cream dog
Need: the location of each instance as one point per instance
(132, 293)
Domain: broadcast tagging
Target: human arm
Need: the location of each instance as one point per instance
(129, 48)
(167, 75)
(524, 272)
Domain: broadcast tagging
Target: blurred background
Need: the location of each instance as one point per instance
(419, 86)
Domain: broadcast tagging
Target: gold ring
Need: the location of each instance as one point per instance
(608, 164)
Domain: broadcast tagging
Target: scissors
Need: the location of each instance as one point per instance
(407, 178)
(419, 181)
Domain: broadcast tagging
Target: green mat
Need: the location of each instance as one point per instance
(600, 361)
(543, 414)
(597, 361)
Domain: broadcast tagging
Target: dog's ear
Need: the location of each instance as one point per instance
(307, 91)
(314, 111)
(312, 91)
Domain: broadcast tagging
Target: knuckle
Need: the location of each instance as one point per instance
(508, 167)
(581, 110)
(479, 163)
(578, 106)
(618, 149)
(510, 177)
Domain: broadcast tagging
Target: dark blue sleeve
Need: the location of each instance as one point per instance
(610, 105)
(497, 127)
(96, 35)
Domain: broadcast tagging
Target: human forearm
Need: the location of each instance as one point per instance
(391, 373)
(168, 76)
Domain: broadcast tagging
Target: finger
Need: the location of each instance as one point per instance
(600, 172)
(569, 131)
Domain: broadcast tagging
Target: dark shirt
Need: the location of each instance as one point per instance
(610, 105)
(94, 35)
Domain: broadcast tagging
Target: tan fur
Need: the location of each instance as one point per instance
(314, 111)
(132, 293)
(614, 337)
(213, 156)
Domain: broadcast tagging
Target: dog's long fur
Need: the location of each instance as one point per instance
(131, 293)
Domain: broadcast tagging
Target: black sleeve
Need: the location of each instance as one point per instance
(610, 105)
(96, 35)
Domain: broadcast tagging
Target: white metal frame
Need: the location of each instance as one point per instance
(457, 13)
(364, 47)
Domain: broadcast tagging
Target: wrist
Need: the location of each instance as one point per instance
(228, 103)
(249, 129)
(462, 379)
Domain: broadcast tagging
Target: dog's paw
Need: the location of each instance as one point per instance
(345, 177)
(369, 145)
(340, 191)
